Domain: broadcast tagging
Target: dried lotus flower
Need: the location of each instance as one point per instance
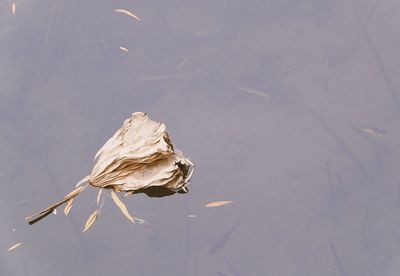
(137, 158)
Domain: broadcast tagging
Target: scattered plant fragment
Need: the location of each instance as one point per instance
(68, 206)
(14, 246)
(218, 203)
(92, 218)
(128, 13)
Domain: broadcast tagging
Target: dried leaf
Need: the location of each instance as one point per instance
(14, 246)
(124, 49)
(218, 203)
(13, 8)
(92, 218)
(98, 196)
(128, 13)
(138, 156)
(121, 206)
(68, 206)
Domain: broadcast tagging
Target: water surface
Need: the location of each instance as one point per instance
(275, 101)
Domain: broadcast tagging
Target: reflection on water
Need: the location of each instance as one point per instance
(288, 108)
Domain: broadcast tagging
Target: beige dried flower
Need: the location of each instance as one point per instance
(138, 157)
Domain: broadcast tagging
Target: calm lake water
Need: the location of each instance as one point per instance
(289, 108)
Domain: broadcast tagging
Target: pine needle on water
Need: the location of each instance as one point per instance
(14, 246)
(68, 206)
(128, 13)
(218, 203)
(121, 206)
(92, 218)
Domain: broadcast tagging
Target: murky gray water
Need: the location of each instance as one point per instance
(289, 108)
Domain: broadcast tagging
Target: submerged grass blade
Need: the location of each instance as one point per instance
(121, 206)
(92, 218)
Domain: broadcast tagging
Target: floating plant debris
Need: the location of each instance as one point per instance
(128, 13)
(370, 130)
(68, 206)
(218, 203)
(14, 246)
(255, 92)
(121, 206)
(98, 197)
(92, 218)
(138, 157)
